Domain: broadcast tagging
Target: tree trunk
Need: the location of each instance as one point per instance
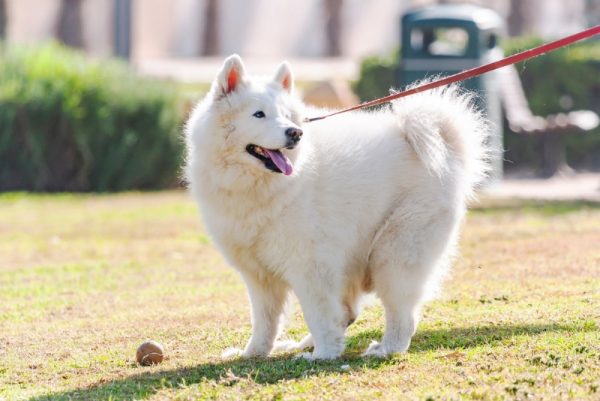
(210, 36)
(122, 29)
(3, 19)
(516, 17)
(69, 29)
(333, 26)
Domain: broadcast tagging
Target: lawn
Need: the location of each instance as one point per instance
(84, 279)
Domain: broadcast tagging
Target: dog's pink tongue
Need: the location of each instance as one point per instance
(282, 162)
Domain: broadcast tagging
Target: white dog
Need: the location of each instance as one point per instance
(334, 209)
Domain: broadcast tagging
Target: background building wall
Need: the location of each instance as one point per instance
(268, 28)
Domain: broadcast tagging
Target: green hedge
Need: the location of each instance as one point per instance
(561, 81)
(71, 124)
(377, 76)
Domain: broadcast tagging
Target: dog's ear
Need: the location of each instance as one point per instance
(231, 77)
(284, 77)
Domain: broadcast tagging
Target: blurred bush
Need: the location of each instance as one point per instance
(561, 81)
(70, 124)
(377, 76)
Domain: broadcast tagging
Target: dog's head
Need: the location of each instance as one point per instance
(257, 120)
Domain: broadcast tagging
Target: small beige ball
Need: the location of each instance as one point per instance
(150, 353)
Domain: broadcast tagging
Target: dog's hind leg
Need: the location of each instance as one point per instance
(404, 266)
(320, 298)
(308, 341)
(269, 297)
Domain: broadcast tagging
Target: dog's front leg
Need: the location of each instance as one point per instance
(268, 296)
(320, 299)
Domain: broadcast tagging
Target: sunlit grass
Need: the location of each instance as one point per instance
(84, 279)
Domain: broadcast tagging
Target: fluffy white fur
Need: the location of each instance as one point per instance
(374, 203)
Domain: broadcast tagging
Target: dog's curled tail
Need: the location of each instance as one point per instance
(444, 127)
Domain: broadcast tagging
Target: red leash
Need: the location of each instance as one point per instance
(473, 72)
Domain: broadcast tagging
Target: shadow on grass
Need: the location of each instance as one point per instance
(288, 367)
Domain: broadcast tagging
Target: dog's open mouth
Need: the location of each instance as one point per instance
(273, 159)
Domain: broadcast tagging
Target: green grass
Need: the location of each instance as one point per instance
(84, 279)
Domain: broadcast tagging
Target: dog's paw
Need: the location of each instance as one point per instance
(318, 356)
(306, 355)
(286, 346)
(376, 350)
(249, 352)
(306, 342)
(294, 346)
(231, 353)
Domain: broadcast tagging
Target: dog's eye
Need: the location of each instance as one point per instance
(259, 114)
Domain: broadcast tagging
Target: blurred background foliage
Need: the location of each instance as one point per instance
(68, 123)
(546, 81)
(71, 123)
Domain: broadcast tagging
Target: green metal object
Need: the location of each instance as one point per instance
(446, 39)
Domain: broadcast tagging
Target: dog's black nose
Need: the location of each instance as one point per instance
(294, 134)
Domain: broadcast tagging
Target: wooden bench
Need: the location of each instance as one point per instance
(551, 128)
